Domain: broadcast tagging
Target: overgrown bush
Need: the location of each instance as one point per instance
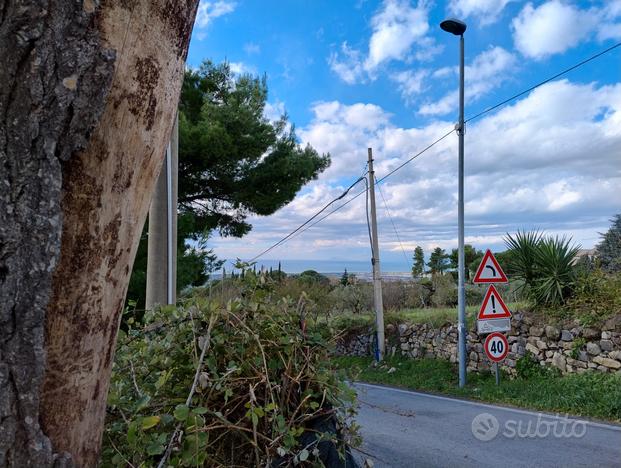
(354, 298)
(595, 295)
(207, 384)
(444, 290)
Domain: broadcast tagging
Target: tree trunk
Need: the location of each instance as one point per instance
(88, 96)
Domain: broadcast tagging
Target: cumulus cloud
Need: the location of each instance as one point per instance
(556, 26)
(395, 29)
(411, 83)
(549, 161)
(487, 71)
(400, 33)
(348, 64)
(486, 11)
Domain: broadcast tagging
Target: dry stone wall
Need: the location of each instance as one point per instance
(570, 349)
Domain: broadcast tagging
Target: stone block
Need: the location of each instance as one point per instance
(615, 355)
(591, 333)
(474, 356)
(552, 332)
(606, 345)
(535, 331)
(566, 344)
(542, 345)
(566, 335)
(607, 362)
(559, 361)
(593, 349)
(576, 363)
(606, 335)
(533, 349)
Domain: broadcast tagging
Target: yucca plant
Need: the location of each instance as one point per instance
(521, 259)
(544, 264)
(555, 271)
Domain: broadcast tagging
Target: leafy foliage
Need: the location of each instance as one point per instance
(544, 264)
(262, 381)
(472, 256)
(609, 249)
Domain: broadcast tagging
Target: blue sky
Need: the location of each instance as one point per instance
(383, 74)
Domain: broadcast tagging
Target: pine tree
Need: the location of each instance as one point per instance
(609, 249)
(438, 261)
(418, 268)
(345, 278)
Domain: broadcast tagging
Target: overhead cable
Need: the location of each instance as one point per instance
(284, 239)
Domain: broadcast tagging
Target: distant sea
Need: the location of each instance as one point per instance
(328, 267)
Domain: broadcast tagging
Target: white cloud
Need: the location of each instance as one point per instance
(348, 66)
(487, 71)
(399, 34)
(486, 11)
(395, 29)
(273, 111)
(251, 48)
(552, 28)
(549, 161)
(208, 10)
(411, 83)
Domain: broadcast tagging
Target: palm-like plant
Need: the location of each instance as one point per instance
(545, 264)
(555, 272)
(521, 259)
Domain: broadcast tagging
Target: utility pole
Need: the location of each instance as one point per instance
(375, 261)
(162, 240)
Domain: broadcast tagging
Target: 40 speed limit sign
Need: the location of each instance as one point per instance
(496, 347)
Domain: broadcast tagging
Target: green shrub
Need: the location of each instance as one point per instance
(528, 367)
(353, 298)
(259, 380)
(444, 290)
(596, 295)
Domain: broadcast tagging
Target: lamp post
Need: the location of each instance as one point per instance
(457, 27)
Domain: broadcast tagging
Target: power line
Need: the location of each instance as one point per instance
(305, 226)
(392, 221)
(284, 239)
(541, 83)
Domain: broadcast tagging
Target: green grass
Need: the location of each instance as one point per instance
(434, 316)
(590, 394)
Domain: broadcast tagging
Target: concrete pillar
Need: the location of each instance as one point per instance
(160, 289)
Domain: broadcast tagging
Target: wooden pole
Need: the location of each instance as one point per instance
(375, 261)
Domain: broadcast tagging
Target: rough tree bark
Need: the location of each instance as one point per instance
(87, 101)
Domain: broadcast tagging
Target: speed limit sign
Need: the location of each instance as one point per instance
(496, 347)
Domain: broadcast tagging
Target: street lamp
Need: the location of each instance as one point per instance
(457, 27)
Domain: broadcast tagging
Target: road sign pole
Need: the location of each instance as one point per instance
(497, 375)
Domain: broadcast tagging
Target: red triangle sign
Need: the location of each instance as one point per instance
(489, 270)
(493, 306)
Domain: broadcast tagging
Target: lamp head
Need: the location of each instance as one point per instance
(454, 26)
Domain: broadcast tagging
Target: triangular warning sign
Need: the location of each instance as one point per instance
(493, 306)
(489, 270)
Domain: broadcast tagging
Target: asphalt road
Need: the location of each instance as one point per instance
(409, 429)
